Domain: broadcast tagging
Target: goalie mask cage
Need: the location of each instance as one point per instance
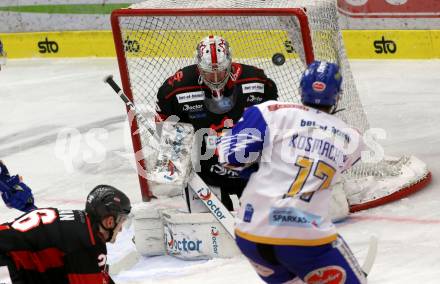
(154, 39)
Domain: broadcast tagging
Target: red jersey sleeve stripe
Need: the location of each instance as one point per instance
(239, 81)
(40, 260)
(95, 278)
(185, 89)
(89, 226)
(4, 227)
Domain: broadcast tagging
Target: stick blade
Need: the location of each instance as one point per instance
(371, 255)
(107, 78)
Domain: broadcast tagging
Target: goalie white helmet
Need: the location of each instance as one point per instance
(214, 63)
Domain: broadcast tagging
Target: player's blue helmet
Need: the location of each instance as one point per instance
(320, 84)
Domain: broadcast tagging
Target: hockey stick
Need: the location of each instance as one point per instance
(146, 125)
(371, 255)
(199, 187)
(212, 202)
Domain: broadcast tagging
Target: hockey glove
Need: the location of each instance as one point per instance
(17, 194)
(4, 173)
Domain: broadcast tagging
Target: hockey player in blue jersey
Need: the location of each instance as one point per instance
(15, 193)
(2, 55)
(283, 226)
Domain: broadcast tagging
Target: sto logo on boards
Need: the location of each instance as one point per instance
(384, 46)
(288, 45)
(131, 45)
(47, 46)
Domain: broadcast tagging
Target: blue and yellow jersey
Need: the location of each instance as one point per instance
(301, 152)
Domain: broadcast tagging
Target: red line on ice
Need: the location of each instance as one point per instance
(394, 219)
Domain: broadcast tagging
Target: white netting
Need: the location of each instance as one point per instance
(156, 46)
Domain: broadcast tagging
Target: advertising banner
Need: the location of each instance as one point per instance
(390, 8)
(373, 29)
(389, 14)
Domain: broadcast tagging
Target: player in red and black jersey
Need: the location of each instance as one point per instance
(48, 245)
(213, 94)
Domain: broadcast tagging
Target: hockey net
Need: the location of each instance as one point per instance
(155, 38)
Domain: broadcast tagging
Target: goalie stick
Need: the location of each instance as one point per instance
(371, 255)
(199, 187)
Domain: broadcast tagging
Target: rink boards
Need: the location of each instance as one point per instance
(366, 44)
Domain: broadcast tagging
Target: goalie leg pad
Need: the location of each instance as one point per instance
(196, 236)
(160, 231)
(148, 230)
(339, 208)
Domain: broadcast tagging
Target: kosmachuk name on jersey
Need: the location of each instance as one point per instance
(319, 146)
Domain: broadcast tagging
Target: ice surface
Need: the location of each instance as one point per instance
(40, 98)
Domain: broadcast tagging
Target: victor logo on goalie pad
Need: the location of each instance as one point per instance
(205, 194)
(185, 245)
(179, 245)
(216, 209)
(215, 233)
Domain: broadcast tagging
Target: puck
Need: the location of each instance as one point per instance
(278, 59)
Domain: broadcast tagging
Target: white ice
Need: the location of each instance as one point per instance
(39, 99)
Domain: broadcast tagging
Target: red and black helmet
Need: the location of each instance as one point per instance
(105, 200)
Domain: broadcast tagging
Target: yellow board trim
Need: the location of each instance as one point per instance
(182, 44)
(285, 242)
(59, 44)
(362, 44)
(380, 44)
